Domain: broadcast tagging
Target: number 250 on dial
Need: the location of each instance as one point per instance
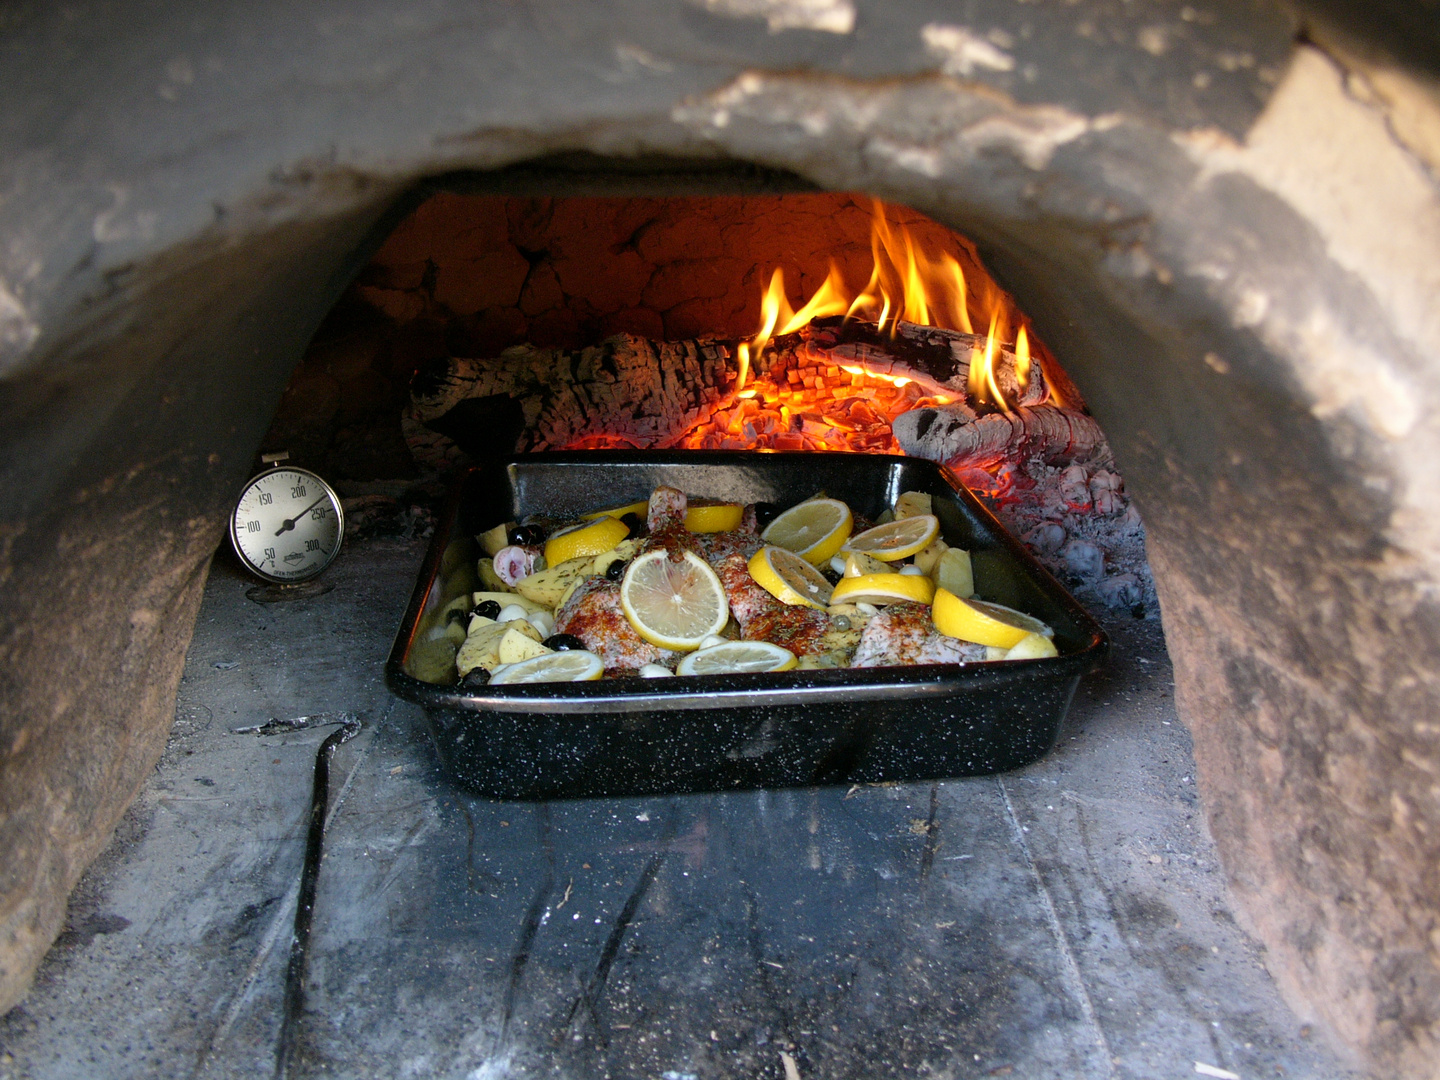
(287, 525)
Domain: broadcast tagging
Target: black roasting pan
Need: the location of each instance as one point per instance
(619, 737)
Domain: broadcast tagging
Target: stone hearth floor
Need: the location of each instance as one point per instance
(1069, 920)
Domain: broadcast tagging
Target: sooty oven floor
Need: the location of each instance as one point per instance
(1069, 920)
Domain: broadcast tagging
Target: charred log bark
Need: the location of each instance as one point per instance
(626, 391)
(955, 436)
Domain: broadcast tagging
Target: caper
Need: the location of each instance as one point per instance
(841, 622)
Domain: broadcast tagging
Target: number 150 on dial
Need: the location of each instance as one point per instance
(287, 525)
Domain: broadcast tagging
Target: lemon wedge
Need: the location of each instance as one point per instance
(737, 656)
(913, 503)
(572, 665)
(814, 529)
(984, 623)
(712, 517)
(858, 564)
(1032, 647)
(953, 571)
(896, 540)
(883, 589)
(789, 578)
(620, 511)
(583, 541)
(675, 605)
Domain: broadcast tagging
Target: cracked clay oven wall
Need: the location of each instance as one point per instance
(1222, 218)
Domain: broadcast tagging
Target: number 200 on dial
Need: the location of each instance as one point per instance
(287, 525)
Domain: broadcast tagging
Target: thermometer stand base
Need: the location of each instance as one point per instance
(277, 594)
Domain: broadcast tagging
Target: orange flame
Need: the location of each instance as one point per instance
(906, 285)
(777, 317)
(1022, 358)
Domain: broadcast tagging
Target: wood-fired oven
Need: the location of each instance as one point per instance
(1221, 221)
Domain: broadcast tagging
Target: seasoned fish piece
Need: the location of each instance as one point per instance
(905, 634)
(666, 524)
(802, 630)
(594, 615)
(747, 599)
(667, 509)
(714, 548)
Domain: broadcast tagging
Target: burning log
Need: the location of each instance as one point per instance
(624, 392)
(938, 361)
(955, 436)
(829, 386)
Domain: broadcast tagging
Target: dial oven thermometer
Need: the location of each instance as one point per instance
(287, 524)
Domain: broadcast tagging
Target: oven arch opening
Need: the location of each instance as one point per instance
(1209, 299)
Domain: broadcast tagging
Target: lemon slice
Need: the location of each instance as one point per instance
(573, 665)
(675, 605)
(711, 517)
(883, 589)
(737, 656)
(814, 530)
(582, 541)
(789, 578)
(984, 623)
(619, 511)
(896, 540)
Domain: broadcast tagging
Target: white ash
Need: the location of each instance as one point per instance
(1079, 523)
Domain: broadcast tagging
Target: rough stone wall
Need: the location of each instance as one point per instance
(1211, 224)
(1317, 733)
(493, 271)
(498, 271)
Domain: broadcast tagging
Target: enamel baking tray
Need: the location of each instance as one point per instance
(617, 737)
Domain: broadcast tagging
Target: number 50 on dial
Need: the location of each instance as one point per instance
(287, 525)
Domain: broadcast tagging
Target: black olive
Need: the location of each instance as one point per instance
(636, 524)
(474, 679)
(828, 573)
(526, 535)
(563, 642)
(455, 615)
(616, 570)
(486, 609)
(765, 512)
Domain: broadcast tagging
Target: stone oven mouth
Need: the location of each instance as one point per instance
(1222, 219)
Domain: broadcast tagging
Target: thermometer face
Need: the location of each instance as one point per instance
(287, 525)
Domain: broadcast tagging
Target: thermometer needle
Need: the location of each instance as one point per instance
(290, 522)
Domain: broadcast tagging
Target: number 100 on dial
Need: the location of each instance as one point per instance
(287, 525)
